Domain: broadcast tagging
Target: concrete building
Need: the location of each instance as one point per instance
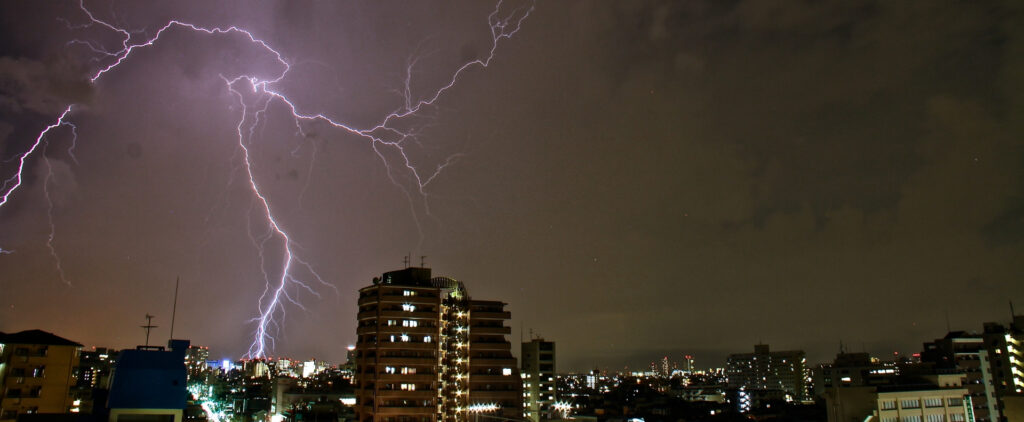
(766, 370)
(1004, 348)
(854, 370)
(195, 363)
(149, 384)
(538, 369)
(427, 352)
(37, 371)
(965, 353)
(934, 398)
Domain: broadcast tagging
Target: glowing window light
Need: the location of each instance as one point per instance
(482, 407)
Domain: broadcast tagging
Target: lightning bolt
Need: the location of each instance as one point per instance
(383, 136)
(49, 216)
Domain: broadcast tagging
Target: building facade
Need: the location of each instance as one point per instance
(427, 352)
(765, 370)
(927, 398)
(1004, 366)
(37, 371)
(965, 353)
(149, 384)
(538, 365)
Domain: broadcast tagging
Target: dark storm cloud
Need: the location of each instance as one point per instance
(46, 88)
(636, 179)
(820, 97)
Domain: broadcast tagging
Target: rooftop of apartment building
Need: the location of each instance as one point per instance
(36, 337)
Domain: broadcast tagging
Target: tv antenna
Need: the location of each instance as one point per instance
(149, 326)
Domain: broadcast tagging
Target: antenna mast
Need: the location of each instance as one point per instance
(149, 326)
(174, 310)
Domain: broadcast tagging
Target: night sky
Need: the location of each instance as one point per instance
(636, 179)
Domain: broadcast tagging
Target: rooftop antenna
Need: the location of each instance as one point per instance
(1012, 313)
(149, 326)
(405, 260)
(423, 261)
(174, 310)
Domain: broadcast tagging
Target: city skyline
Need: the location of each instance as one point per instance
(635, 180)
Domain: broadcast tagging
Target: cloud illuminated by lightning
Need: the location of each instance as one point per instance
(384, 135)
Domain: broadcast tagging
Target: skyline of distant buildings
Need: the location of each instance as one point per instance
(427, 351)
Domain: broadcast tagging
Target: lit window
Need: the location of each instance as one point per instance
(426, 339)
(408, 371)
(506, 371)
(389, 369)
(408, 307)
(409, 387)
(391, 322)
(410, 323)
(405, 337)
(408, 293)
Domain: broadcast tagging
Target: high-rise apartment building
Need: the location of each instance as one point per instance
(37, 371)
(765, 370)
(1004, 347)
(427, 352)
(538, 363)
(195, 362)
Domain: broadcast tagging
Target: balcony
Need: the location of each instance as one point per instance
(406, 360)
(405, 394)
(495, 395)
(490, 330)
(509, 362)
(426, 300)
(399, 329)
(397, 410)
(399, 378)
(409, 315)
(490, 315)
(497, 345)
(406, 345)
(489, 378)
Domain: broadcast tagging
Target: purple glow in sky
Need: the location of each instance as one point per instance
(636, 179)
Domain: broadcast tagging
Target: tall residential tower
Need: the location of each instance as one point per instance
(427, 352)
(538, 363)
